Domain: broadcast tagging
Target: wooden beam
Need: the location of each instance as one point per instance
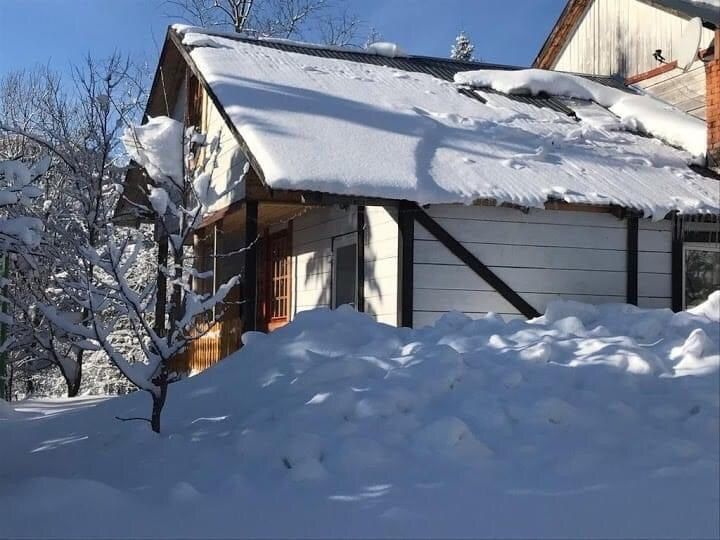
(472, 262)
(360, 295)
(249, 278)
(161, 288)
(631, 270)
(677, 275)
(406, 276)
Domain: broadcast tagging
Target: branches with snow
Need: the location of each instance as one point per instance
(78, 129)
(288, 19)
(463, 48)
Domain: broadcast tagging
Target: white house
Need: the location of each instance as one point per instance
(391, 183)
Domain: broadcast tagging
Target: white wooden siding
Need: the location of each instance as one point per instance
(180, 105)
(381, 263)
(312, 239)
(684, 90)
(542, 255)
(618, 37)
(655, 264)
(230, 159)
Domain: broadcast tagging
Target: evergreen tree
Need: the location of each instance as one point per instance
(463, 48)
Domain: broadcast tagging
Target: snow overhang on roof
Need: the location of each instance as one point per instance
(352, 123)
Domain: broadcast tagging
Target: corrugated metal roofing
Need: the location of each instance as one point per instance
(442, 68)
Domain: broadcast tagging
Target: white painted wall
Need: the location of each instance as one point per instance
(312, 238)
(543, 255)
(655, 264)
(381, 263)
(618, 37)
(230, 160)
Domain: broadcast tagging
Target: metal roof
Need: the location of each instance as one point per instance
(689, 8)
(442, 68)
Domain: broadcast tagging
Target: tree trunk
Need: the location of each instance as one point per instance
(73, 385)
(159, 400)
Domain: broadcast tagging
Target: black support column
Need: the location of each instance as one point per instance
(406, 243)
(631, 288)
(360, 280)
(249, 277)
(161, 292)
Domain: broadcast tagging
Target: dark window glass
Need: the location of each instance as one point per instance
(345, 275)
(702, 274)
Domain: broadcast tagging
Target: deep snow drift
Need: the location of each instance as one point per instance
(589, 421)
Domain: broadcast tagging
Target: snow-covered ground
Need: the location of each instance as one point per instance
(590, 421)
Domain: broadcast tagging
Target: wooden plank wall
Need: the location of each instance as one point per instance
(685, 90)
(313, 234)
(618, 37)
(543, 255)
(381, 264)
(655, 264)
(210, 347)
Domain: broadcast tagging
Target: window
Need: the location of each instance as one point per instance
(345, 271)
(701, 272)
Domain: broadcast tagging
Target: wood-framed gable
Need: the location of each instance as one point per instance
(574, 11)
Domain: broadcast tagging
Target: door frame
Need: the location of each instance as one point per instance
(266, 321)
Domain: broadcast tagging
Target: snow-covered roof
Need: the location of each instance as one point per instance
(341, 124)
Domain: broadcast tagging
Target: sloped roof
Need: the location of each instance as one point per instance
(365, 125)
(707, 10)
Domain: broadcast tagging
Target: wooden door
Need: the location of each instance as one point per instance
(275, 287)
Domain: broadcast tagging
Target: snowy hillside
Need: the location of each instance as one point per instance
(590, 421)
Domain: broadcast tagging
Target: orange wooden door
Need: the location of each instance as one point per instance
(275, 291)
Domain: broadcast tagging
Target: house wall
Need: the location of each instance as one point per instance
(381, 263)
(655, 264)
(618, 37)
(230, 161)
(313, 236)
(542, 255)
(684, 89)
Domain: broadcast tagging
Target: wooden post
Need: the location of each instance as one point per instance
(677, 274)
(360, 279)
(161, 298)
(631, 270)
(406, 243)
(249, 306)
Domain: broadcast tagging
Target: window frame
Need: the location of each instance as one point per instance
(693, 246)
(343, 241)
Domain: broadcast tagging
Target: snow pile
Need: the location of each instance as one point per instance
(399, 134)
(383, 48)
(589, 421)
(6, 411)
(642, 113)
(157, 146)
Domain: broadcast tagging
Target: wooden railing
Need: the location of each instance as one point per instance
(212, 344)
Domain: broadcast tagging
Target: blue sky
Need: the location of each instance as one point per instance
(59, 32)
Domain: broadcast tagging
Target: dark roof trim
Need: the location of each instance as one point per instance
(688, 9)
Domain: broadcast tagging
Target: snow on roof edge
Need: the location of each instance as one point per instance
(333, 181)
(639, 112)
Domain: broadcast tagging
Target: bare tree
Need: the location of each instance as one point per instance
(80, 131)
(327, 20)
(18, 233)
